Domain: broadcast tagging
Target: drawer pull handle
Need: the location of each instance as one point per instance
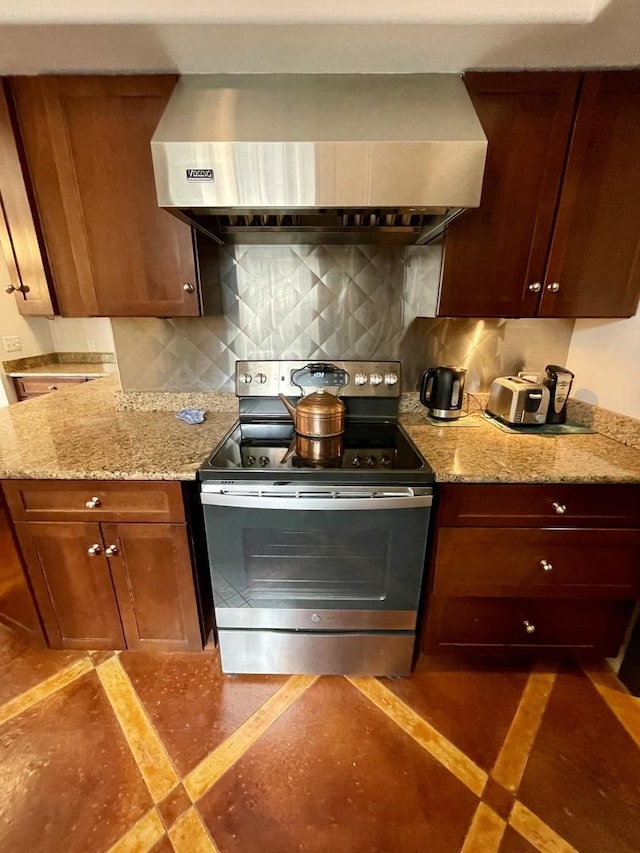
(111, 551)
(546, 565)
(92, 503)
(529, 627)
(559, 508)
(93, 550)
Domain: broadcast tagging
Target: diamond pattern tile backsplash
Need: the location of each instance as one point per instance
(360, 302)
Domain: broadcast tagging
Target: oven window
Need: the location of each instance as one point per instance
(315, 564)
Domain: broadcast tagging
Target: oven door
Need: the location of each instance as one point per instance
(306, 557)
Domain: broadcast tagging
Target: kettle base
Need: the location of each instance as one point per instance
(444, 414)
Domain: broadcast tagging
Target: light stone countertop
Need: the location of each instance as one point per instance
(485, 454)
(77, 433)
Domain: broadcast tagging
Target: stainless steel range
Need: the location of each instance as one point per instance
(317, 545)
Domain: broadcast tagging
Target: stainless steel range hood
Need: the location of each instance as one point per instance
(265, 158)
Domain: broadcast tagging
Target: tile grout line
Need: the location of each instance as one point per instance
(189, 834)
(428, 737)
(44, 689)
(534, 830)
(142, 836)
(624, 706)
(486, 831)
(226, 754)
(512, 759)
(149, 753)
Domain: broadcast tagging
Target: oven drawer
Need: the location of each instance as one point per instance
(519, 624)
(75, 500)
(281, 652)
(476, 561)
(539, 505)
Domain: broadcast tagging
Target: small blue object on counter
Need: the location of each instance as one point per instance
(190, 416)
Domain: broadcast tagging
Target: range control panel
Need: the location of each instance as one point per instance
(347, 378)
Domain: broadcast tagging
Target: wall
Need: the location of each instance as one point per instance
(358, 302)
(92, 334)
(605, 356)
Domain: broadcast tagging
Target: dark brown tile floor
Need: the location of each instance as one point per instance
(142, 752)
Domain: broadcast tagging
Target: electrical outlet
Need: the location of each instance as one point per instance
(91, 345)
(12, 343)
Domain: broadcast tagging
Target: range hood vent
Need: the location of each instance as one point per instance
(319, 158)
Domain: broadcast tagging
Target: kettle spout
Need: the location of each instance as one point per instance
(288, 406)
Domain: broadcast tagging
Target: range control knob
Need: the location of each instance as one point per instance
(261, 378)
(375, 379)
(245, 378)
(251, 460)
(390, 378)
(264, 461)
(356, 461)
(371, 461)
(361, 378)
(385, 460)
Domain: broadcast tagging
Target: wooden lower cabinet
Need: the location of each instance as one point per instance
(112, 586)
(72, 586)
(17, 609)
(547, 566)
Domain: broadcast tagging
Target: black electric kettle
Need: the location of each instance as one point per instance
(442, 391)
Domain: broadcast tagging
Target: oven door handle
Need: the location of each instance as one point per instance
(334, 501)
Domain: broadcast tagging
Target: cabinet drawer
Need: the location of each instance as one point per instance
(35, 386)
(538, 563)
(66, 500)
(502, 624)
(557, 505)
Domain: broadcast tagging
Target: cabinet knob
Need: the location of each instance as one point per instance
(111, 551)
(188, 288)
(529, 627)
(92, 503)
(546, 565)
(559, 508)
(53, 387)
(21, 288)
(536, 287)
(92, 550)
(554, 287)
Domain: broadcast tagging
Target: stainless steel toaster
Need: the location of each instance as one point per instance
(518, 401)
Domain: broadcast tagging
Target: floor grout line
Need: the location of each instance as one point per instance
(44, 689)
(624, 706)
(514, 754)
(224, 756)
(485, 833)
(429, 738)
(534, 830)
(142, 836)
(189, 834)
(149, 753)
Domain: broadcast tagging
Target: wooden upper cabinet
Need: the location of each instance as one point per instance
(595, 253)
(113, 251)
(494, 253)
(21, 245)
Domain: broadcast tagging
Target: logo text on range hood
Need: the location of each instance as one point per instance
(200, 175)
(319, 158)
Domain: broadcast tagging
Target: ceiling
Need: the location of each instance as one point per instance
(199, 36)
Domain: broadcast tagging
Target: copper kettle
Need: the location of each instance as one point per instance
(317, 415)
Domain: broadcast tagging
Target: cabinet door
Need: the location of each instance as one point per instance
(113, 251)
(28, 281)
(151, 569)
(594, 264)
(493, 254)
(72, 586)
(16, 604)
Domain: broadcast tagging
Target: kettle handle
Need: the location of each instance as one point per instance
(425, 398)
